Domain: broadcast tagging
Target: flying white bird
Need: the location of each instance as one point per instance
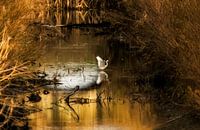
(102, 64)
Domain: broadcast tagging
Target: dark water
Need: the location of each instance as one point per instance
(73, 61)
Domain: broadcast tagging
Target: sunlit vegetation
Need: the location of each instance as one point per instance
(18, 42)
(19, 48)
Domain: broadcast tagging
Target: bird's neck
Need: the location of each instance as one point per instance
(106, 65)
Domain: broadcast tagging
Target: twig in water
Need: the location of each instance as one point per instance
(70, 110)
(72, 93)
(98, 99)
(172, 120)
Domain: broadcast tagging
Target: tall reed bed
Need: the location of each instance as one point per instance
(10, 66)
(20, 41)
(164, 36)
(177, 25)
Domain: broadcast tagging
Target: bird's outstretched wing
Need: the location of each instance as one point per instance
(100, 61)
(102, 64)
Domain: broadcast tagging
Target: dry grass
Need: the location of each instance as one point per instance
(178, 22)
(165, 33)
(164, 37)
(10, 68)
(20, 41)
(177, 25)
(19, 48)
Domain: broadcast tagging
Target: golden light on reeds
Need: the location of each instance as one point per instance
(15, 54)
(4, 46)
(9, 68)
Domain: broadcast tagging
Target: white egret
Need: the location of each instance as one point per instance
(102, 64)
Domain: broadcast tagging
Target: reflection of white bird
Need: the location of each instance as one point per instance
(102, 76)
(102, 64)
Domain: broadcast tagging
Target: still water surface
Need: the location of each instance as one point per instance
(73, 61)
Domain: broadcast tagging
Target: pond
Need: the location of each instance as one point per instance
(105, 99)
(50, 74)
(79, 95)
(102, 101)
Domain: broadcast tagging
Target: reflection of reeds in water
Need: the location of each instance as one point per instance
(13, 112)
(6, 111)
